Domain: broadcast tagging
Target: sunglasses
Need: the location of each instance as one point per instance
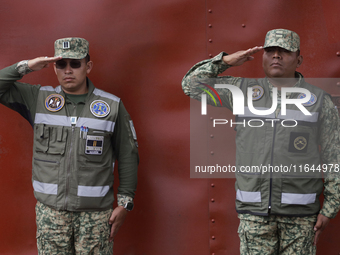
(61, 64)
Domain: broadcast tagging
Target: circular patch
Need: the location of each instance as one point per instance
(311, 101)
(257, 92)
(300, 143)
(54, 102)
(100, 108)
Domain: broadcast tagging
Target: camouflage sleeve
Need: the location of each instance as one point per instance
(122, 199)
(204, 75)
(330, 154)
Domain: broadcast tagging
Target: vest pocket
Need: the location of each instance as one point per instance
(248, 188)
(41, 138)
(57, 141)
(94, 189)
(50, 140)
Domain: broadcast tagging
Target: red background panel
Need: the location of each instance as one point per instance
(141, 50)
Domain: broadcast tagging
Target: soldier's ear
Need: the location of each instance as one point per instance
(89, 66)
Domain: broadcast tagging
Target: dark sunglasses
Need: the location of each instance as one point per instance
(61, 64)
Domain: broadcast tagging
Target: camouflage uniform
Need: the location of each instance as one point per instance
(73, 231)
(64, 232)
(276, 234)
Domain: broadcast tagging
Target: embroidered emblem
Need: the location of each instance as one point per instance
(54, 102)
(100, 108)
(257, 92)
(311, 101)
(300, 143)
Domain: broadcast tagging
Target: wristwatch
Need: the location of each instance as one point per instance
(128, 206)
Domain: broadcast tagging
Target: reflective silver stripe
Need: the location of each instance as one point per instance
(58, 89)
(99, 92)
(46, 188)
(51, 119)
(298, 199)
(291, 114)
(248, 196)
(298, 115)
(103, 125)
(47, 88)
(57, 120)
(92, 191)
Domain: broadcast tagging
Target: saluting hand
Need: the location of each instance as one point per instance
(238, 58)
(39, 63)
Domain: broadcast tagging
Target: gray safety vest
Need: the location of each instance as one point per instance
(283, 185)
(73, 158)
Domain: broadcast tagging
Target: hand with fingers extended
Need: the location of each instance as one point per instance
(39, 63)
(239, 57)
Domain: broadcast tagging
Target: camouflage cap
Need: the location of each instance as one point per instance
(283, 38)
(72, 47)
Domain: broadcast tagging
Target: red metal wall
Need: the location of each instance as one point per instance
(141, 50)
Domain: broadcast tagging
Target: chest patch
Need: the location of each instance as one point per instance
(100, 108)
(94, 145)
(54, 102)
(311, 101)
(298, 142)
(257, 92)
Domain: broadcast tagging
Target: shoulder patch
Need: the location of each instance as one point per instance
(100, 108)
(54, 102)
(257, 92)
(311, 101)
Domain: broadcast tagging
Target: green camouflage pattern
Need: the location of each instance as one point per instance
(276, 235)
(123, 199)
(329, 139)
(72, 47)
(283, 38)
(64, 232)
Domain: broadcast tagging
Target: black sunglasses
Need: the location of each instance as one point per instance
(61, 64)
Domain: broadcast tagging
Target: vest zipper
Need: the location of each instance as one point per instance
(271, 178)
(69, 163)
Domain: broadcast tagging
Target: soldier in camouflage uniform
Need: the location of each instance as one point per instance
(273, 221)
(79, 133)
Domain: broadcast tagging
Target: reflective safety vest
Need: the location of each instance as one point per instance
(275, 160)
(73, 157)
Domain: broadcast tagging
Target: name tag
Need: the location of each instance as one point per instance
(94, 145)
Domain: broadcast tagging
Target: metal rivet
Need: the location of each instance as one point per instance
(338, 84)
(243, 25)
(212, 185)
(210, 40)
(210, 55)
(210, 25)
(212, 152)
(213, 237)
(212, 200)
(211, 118)
(212, 136)
(210, 11)
(213, 220)
(338, 53)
